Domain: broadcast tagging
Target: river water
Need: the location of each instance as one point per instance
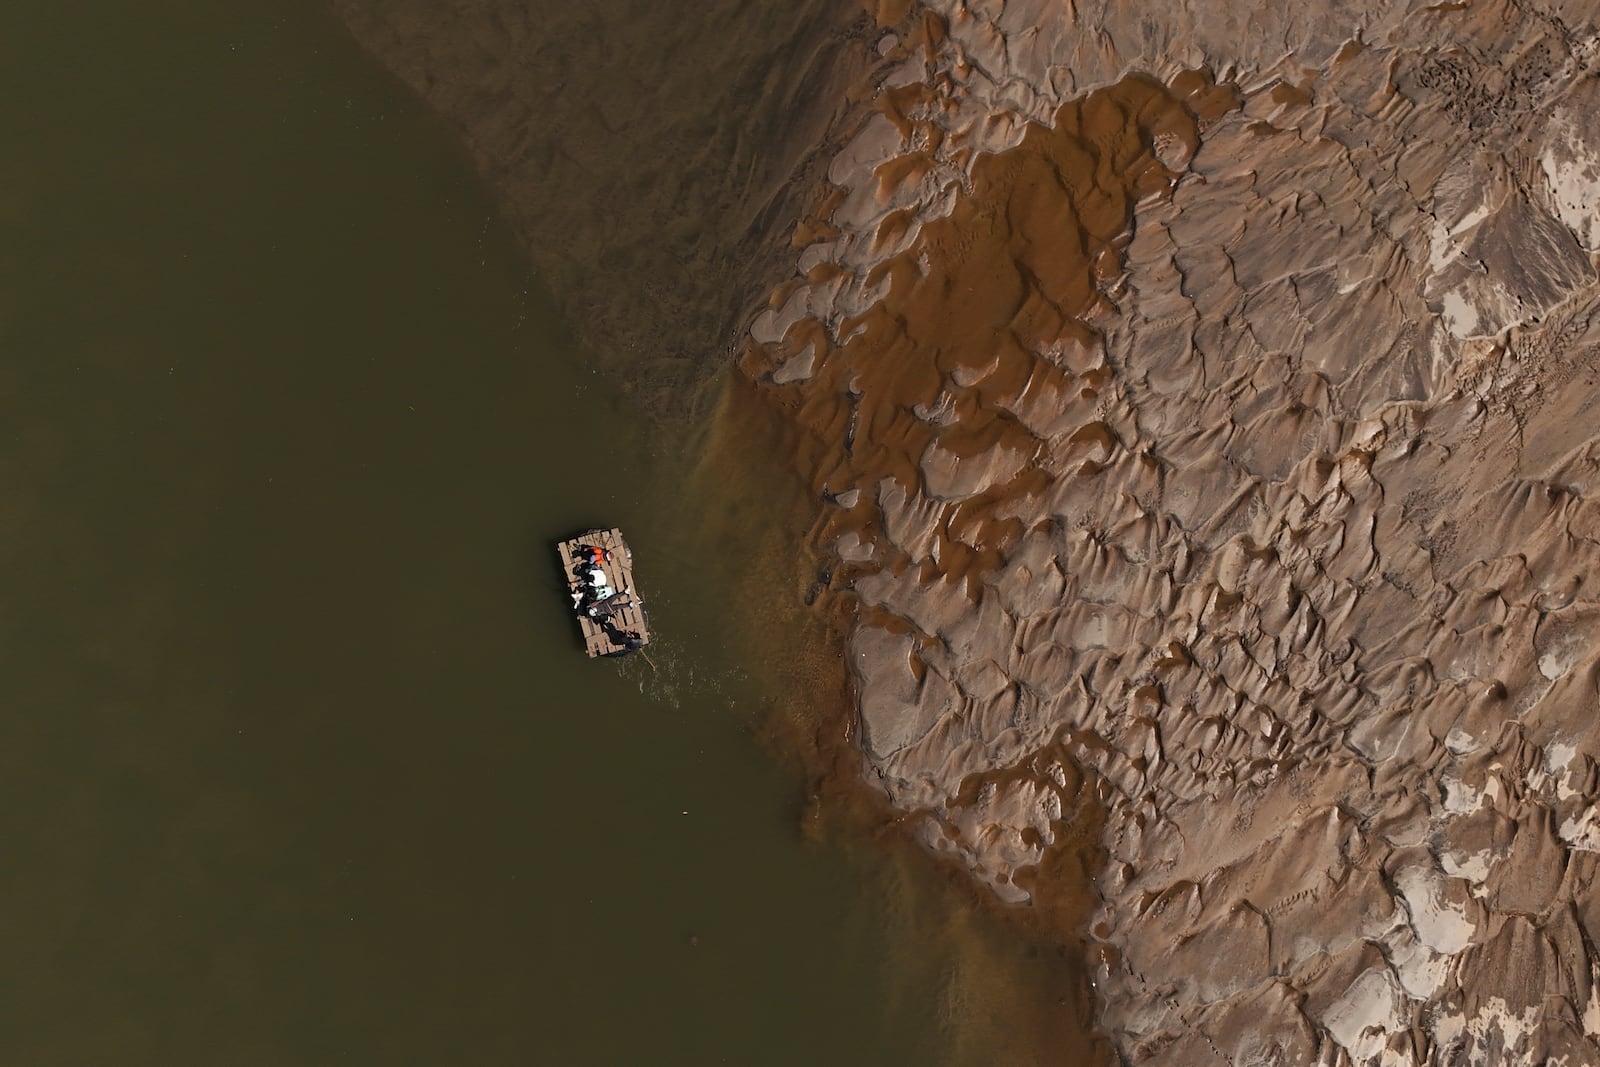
(300, 761)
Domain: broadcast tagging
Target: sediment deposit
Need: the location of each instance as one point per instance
(1203, 403)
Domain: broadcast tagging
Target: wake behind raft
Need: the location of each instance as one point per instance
(599, 570)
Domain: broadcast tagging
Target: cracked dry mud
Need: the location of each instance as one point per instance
(1226, 458)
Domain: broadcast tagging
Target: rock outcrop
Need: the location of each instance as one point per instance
(1205, 405)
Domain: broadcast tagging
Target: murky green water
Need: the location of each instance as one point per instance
(299, 763)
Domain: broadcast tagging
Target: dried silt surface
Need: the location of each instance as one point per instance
(1205, 404)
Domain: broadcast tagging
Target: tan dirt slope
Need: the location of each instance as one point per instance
(1237, 448)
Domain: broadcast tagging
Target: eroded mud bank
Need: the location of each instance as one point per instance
(1232, 451)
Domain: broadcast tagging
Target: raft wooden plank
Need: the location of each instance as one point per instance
(618, 570)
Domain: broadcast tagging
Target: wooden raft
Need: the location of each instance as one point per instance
(618, 616)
